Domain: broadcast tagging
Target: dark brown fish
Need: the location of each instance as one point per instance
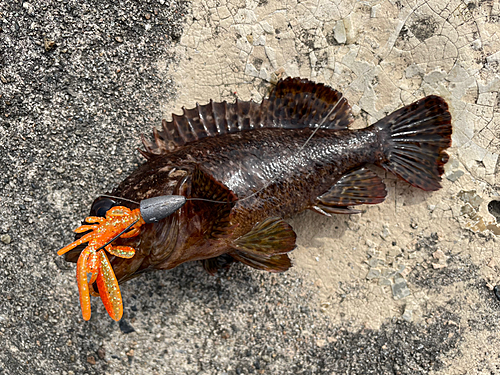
(265, 162)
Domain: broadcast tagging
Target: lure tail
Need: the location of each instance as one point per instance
(416, 137)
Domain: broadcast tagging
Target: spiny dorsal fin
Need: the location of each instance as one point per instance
(294, 103)
(361, 186)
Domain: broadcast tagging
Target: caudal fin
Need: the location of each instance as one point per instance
(415, 138)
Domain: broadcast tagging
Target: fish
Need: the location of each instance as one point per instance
(243, 169)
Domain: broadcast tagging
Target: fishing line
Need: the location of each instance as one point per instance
(118, 235)
(138, 203)
(300, 150)
(256, 192)
(211, 200)
(120, 198)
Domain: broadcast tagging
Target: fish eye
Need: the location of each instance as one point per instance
(102, 205)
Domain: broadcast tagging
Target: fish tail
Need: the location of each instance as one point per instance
(414, 139)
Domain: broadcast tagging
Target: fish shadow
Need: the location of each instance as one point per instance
(310, 227)
(172, 291)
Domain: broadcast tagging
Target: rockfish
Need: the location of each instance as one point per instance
(243, 168)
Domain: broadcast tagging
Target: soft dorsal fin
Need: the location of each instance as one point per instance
(294, 103)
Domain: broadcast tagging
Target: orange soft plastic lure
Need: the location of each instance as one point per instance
(93, 258)
(119, 222)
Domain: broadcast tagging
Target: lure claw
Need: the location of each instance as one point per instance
(108, 288)
(83, 286)
(94, 219)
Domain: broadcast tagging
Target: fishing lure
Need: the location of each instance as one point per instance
(121, 222)
(241, 169)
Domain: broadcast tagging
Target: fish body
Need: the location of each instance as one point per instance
(244, 167)
(264, 171)
(270, 165)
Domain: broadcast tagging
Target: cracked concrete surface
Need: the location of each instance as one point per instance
(381, 55)
(405, 287)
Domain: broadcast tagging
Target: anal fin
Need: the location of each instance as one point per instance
(360, 186)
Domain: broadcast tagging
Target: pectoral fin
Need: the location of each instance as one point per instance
(269, 237)
(266, 245)
(275, 263)
(214, 213)
(361, 186)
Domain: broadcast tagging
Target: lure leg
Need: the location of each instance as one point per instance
(108, 288)
(121, 251)
(132, 233)
(92, 280)
(72, 245)
(92, 291)
(83, 286)
(84, 228)
(95, 219)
